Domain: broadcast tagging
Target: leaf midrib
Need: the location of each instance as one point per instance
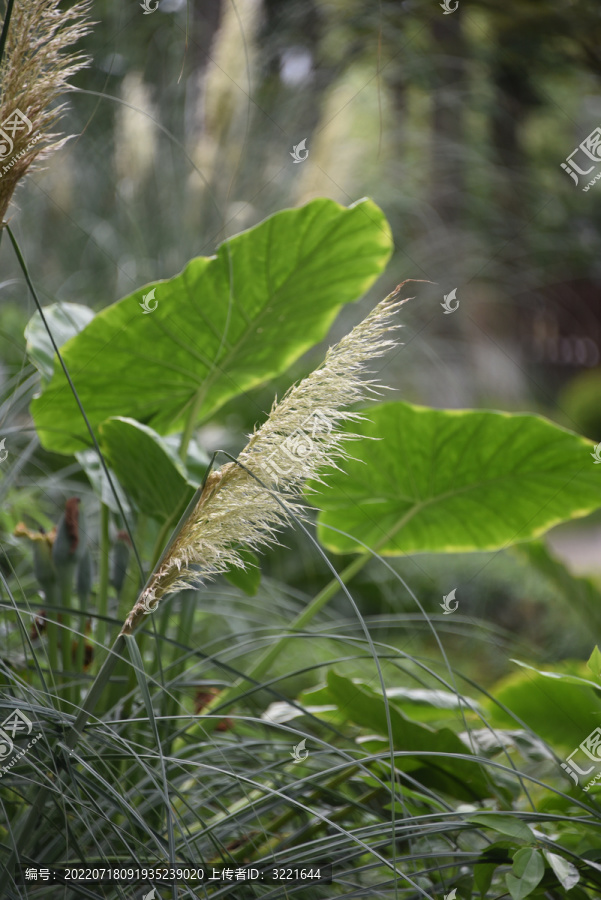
(209, 381)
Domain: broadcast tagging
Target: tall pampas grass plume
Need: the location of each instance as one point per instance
(247, 502)
(35, 69)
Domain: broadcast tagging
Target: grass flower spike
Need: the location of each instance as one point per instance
(300, 438)
(34, 72)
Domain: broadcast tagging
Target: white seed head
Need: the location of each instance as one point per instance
(246, 503)
(34, 72)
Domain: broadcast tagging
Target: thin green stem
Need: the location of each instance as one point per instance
(184, 629)
(161, 541)
(52, 632)
(190, 424)
(268, 658)
(103, 576)
(65, 582)
(273, 827)
(81, 644)
(317, 604)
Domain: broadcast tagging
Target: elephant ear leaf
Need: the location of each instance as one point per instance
(175, 351)
(455, 480)
(65, 320)
(146, 467)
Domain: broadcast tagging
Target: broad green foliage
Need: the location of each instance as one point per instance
(526, 873)
(594, 663)
(65, 320)
(582, 594)
(560, 711)
(146, 468)
(431, 765)
(455, 480)
(225, 324)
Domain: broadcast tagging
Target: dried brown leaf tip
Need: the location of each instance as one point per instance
(35, 70)
(245, 504)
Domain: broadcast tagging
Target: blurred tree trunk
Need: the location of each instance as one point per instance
(507, 116)
(292, 27)
(517, 59)
(447, 139)
(205, 18)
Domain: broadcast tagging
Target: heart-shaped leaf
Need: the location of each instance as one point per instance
(526, 873)
(65, 320)
(179, 349)
(146, 468)
(455, 480)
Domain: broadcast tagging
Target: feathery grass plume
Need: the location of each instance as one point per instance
(298, 440)
(34, 71)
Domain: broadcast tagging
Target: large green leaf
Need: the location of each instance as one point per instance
(455, 480)
(222, 326)
(581, 593)
(458, 777)
(561, 712)
(64, 320)
(146, 468)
